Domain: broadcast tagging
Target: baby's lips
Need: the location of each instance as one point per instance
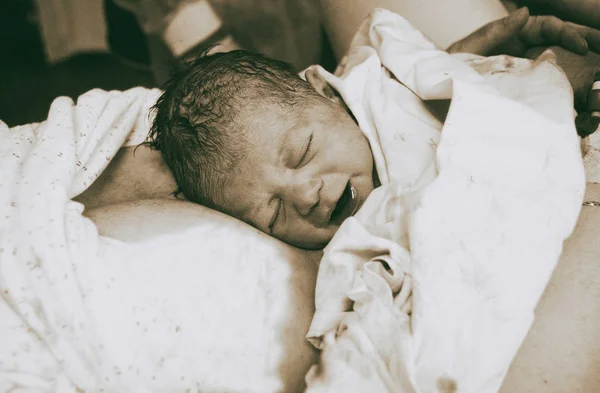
(346, 206)
(354, 200)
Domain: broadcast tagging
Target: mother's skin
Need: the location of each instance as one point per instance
(562, 350)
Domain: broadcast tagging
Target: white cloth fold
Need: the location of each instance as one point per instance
(470, 218)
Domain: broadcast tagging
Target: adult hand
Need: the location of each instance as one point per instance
(519, 31)
(585, 12)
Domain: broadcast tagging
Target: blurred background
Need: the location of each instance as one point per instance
(54, 48)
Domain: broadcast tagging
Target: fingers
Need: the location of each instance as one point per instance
(550, 30)
(485, 40)
(519, 31)
(591, 35)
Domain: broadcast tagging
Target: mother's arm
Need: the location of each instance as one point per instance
(444, 22)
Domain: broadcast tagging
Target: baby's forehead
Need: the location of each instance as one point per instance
(272, 117)
(269, 116)
(262, 100)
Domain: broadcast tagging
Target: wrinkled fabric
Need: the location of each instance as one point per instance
(432, 286)
(43, 234)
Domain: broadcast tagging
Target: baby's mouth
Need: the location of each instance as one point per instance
(346, 206)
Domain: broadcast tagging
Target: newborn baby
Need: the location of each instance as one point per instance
(245, 135)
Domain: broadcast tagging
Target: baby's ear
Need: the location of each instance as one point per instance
(323, 88)
(320, 85)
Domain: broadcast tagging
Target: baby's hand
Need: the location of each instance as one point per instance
(519, 31)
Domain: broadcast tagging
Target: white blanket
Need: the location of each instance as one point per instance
(46, 327)
(432, 286)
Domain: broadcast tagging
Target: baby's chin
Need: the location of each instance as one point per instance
(310, 245)
(313, 244)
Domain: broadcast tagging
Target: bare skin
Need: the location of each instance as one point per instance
(134, 174)
(585, 12)
(561, 353)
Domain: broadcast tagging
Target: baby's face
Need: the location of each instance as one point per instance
(306, 171)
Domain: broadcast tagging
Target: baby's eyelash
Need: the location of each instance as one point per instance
(275, 216)
(308, 148)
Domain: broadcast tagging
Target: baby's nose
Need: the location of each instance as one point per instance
(306, 195)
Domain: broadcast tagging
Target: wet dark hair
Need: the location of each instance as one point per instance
(196, 126)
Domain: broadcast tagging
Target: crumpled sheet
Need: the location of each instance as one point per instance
(43, 236)
(432, 286)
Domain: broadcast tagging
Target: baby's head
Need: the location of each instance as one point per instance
(243, 134)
